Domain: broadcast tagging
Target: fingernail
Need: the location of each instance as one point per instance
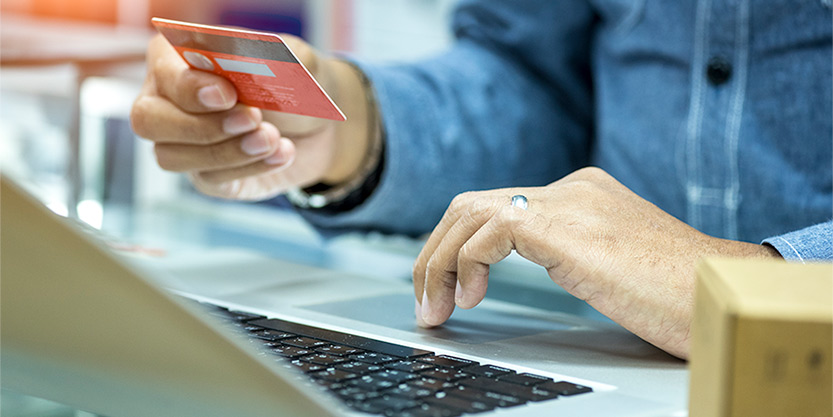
(212, 97)
(240, 122)
(418, 314)
(255, 144)
(458, 294)
(275, 159)
(279, 157)
(426, 309)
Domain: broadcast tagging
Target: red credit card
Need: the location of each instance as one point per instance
(261, 66)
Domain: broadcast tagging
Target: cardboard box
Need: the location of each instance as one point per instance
(762, 339)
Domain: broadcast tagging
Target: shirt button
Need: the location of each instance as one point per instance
(718, 70)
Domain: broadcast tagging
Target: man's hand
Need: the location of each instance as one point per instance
(598, 240)
(236, 151)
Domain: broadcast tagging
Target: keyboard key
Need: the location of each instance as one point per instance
(538, 394)
(430, 383)
(493, 398)
(524, 379)
(359, 367)
(374, 358)
(251, 329)
(289, 351)
(307, 367)
(304, 342)
(564, 388)
(261, 344)
(339, 350)
(371, 383)
(273, 335)
(356, 394)
(324, 359)
(343, 338)
(409, 366)
(489, 371)
(447, 361)
(504, 400)
(334, 375)
(397, 377)
(445, 374)
(410, 391)
(522, 391)
(441, 399)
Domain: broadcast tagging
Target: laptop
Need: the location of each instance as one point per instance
(193, 336)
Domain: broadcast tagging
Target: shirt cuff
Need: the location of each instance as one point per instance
(812, 243)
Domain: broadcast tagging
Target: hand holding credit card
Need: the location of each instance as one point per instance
(265, 72)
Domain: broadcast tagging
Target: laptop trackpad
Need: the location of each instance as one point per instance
(478, 325)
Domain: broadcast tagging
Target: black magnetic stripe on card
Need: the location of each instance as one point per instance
(251, 48)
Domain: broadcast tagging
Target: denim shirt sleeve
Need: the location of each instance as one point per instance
(812, 243)
(509, 104)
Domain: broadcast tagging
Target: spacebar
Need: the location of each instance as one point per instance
(341, 338)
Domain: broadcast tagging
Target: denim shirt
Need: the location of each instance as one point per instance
(717, 111)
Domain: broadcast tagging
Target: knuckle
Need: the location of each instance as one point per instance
(157, 44)
(199, 131)
(462, 202)
(430, 266)
(508, 218)
(466, 253)
(184, 89)
(165, 159)
(157, 68)
(437, 272)
(215, 155)
(480, 205)
(582, 182)
(139, 117)
(592, 173)
(457, 203)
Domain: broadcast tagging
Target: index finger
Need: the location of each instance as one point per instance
(477, 206)
(421, 264)
(191, 90)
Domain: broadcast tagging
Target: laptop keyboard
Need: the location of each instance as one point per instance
(377, 377)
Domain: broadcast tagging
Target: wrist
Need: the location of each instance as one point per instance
(352, 138)
(739, 249)
(337, 193)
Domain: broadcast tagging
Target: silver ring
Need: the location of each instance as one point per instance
(519, 201)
